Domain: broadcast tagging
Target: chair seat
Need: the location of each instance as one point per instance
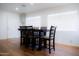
(46, 38)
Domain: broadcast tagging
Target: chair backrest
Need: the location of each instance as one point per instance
(23, 31)
(44, 29)
(35, 32)
(23, 27)
(52, 32)
(29, 30)
(26, 30)
(29, 27)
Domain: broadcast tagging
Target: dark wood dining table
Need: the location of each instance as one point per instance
(34, 29)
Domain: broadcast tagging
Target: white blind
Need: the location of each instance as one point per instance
(34, 21)
(65, 21)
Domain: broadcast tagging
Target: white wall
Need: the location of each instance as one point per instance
(13, 25)
(3, 25)
(9, 23)
(67, 35)
(44, 20)
(22, 19)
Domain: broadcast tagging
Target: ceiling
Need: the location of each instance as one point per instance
(29, 7)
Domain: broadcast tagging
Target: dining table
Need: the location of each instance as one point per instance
(36, 29)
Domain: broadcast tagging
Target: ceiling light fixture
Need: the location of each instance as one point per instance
(17, 8)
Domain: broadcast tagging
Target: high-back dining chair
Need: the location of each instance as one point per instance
(22, 37)
(28, 35)
(44, 29)
(48, 39)
(35, 38)
(25, 32)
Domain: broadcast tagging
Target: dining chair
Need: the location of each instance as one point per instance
(35, 38)
(32, 36)
(28, 39)
(47, 40)
(23, 35)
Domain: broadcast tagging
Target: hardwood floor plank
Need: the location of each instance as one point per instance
(13, 48)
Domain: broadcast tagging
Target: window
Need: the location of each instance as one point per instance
(33, 21)
(65, 21)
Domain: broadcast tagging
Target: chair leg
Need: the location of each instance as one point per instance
(45, 46)
(33, 43)
(23, 41)
(26, 42)
(54, 44)
(49, 47)
(20, 41)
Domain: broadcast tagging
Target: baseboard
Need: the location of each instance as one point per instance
(10, 39)
(13, 38)
(68, 44)
(3, 39)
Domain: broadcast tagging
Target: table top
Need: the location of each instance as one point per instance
(34, 28)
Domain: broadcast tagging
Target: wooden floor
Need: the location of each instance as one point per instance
(13, 48)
